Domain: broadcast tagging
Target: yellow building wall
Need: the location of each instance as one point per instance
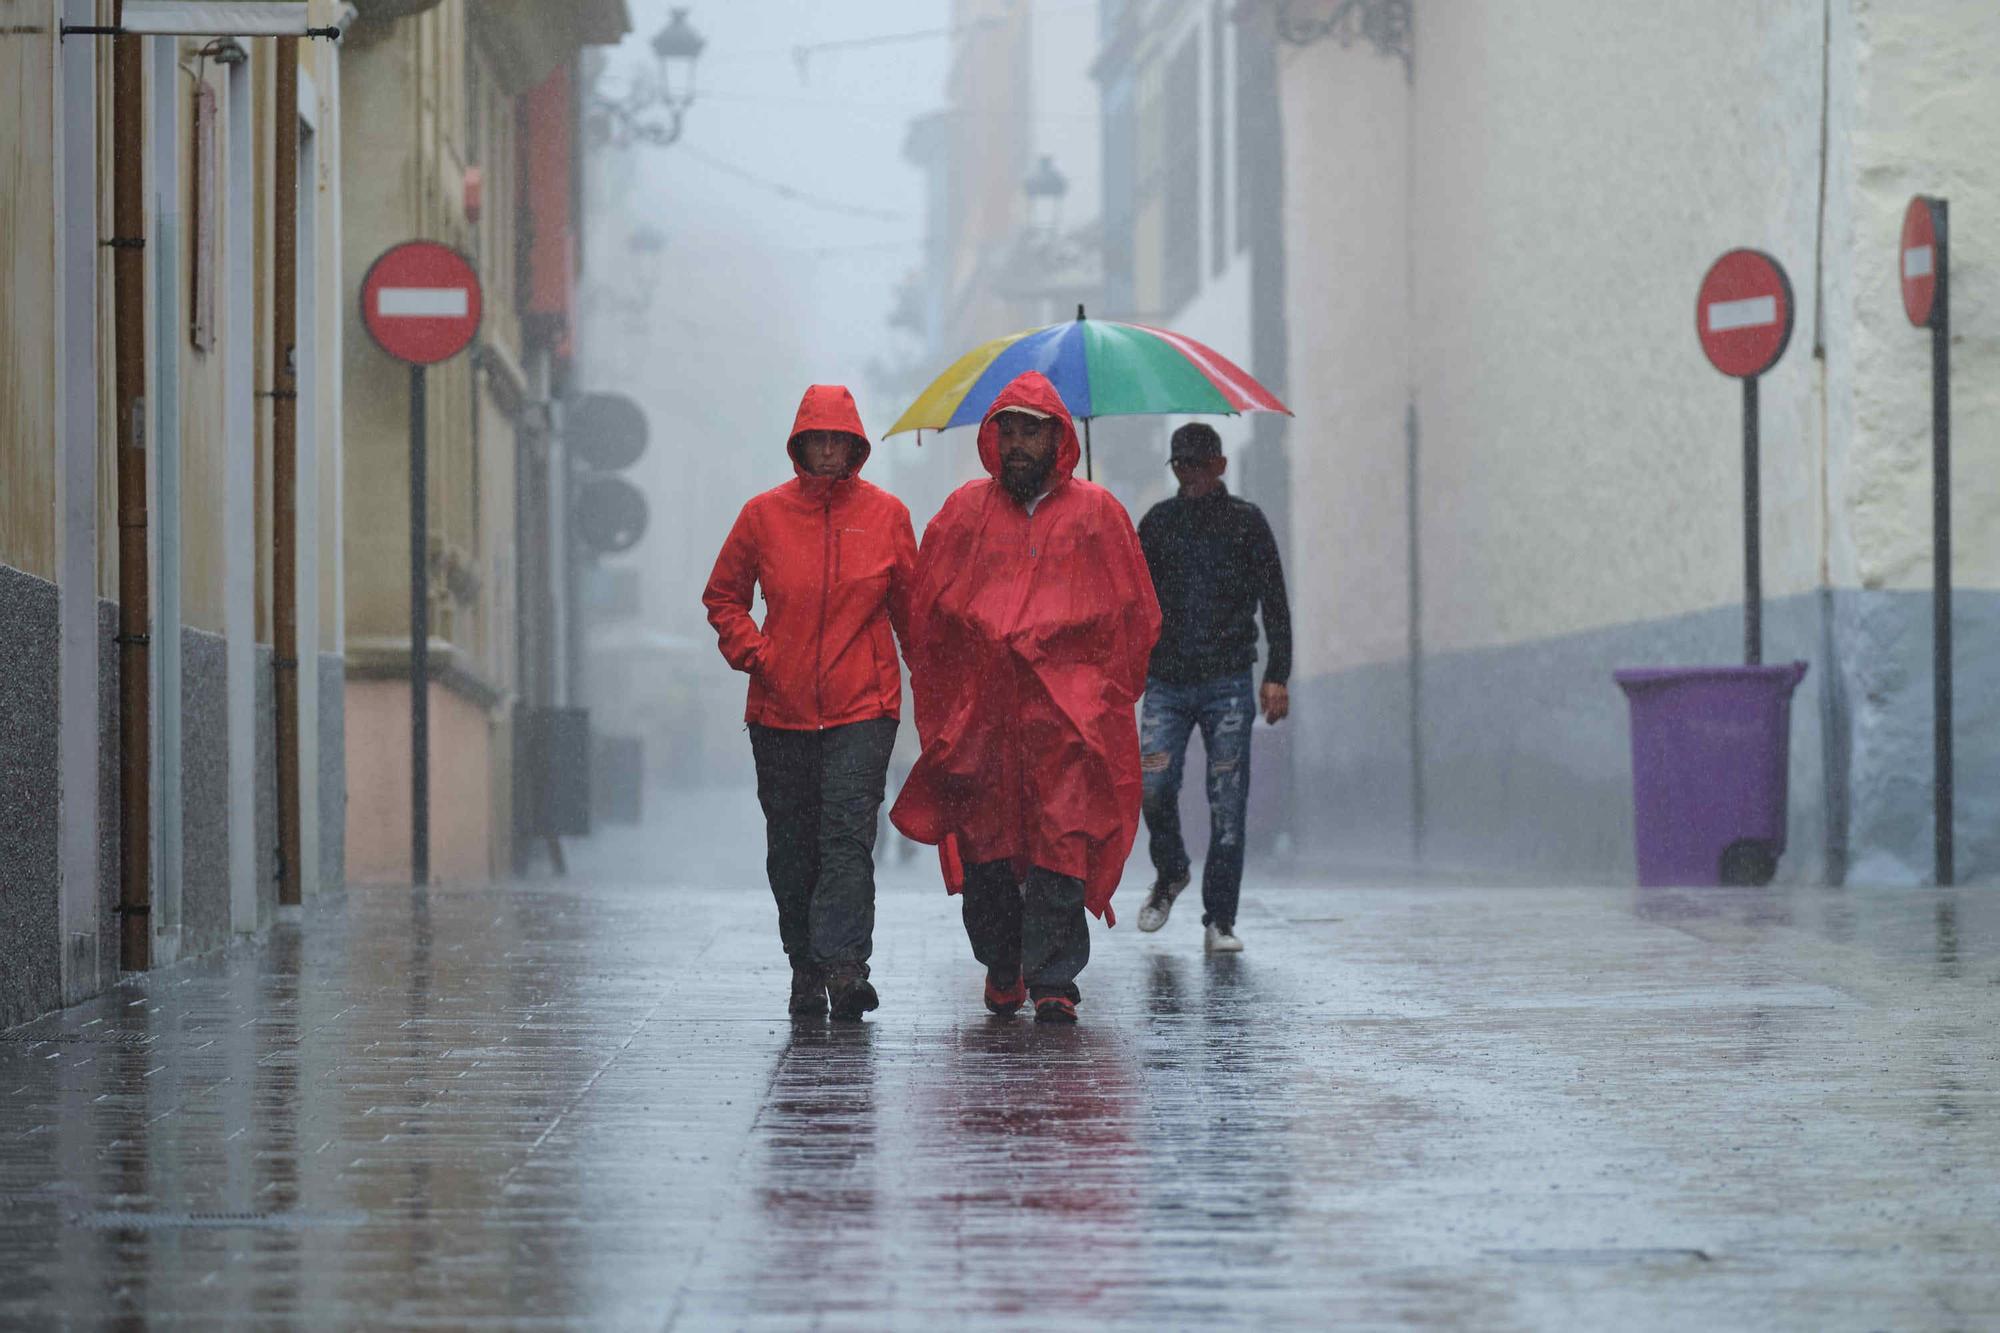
(107, 349)
(331, 280)
(411, 109)
(204, 406)
(27, 290)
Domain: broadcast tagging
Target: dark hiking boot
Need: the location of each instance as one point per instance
(1055, 1009)
(850, 993)
(1161, 901)
(1005, 1001)
(808, 993)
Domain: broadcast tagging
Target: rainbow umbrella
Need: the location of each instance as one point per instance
(1101, 368)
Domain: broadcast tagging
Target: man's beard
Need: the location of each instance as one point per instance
(1024, 479)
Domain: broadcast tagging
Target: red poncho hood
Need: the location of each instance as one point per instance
(1031, 389)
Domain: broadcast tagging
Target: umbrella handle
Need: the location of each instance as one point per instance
(1088, 474)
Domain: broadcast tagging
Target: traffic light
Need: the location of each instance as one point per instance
(606, 433)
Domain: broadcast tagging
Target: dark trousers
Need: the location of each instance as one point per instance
(1224, 710)
(820, 791)
(1034, 929)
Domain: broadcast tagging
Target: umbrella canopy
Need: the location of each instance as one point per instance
(1101, 368)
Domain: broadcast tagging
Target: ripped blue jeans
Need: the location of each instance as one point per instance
(1224, 709)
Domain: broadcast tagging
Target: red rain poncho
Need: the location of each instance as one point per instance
(1029, 637)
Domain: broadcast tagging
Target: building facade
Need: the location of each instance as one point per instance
(1193, 239)
(1513, 469)
(170, 412)
(464, 130)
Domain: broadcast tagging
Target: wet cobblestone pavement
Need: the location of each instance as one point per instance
(582, 1105)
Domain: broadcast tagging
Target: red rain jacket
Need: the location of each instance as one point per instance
(1028, 649)
(833, 557)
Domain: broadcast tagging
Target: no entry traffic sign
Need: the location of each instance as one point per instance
(1923, 265)
(1920, 261)
(1743, 317)
(1743, 314)
(421, 302)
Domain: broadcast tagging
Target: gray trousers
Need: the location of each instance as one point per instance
(1035, 929)
(820, 791)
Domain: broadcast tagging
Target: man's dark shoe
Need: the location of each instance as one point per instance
(1160, 901)
(808, 992)
(1006, 1001)
(1055, 1009)
(850, 994)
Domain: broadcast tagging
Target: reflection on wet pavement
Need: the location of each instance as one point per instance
(582, 1105)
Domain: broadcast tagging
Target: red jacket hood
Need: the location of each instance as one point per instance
(827, 407)
(1030, 389)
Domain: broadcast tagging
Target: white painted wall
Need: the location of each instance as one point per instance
(1573, 168)
(1513, 242)
(1348, 246)
(1924, 79)
(1577, 167)
(1219, 314)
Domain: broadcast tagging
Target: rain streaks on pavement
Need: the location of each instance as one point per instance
(580, 1104)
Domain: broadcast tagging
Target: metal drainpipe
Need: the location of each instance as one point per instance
(284, 466)
(128, 213)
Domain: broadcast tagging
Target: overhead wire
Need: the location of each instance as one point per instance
(787, 191)
(802, 53)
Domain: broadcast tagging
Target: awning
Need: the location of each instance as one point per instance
(218, 18)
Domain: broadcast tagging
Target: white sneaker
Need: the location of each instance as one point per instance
(1221, 939)
(1160, 902)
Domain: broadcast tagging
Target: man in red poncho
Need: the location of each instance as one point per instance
(1031, 622)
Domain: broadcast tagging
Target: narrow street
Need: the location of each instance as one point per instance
(580, 1103)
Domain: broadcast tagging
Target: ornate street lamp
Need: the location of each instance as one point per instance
(1045, 188)
(668, 88)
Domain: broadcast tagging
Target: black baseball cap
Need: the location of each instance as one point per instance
(1195, 442)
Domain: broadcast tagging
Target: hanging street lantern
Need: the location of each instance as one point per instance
(653, 110)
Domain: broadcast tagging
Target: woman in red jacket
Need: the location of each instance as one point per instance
(833, 556)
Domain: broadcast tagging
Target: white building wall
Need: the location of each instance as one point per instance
(1925, 75)
(1221, 310)
(1348, 246)
(1571, 170)
(1581, 460)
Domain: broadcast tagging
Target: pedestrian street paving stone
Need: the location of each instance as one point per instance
(580, 1105)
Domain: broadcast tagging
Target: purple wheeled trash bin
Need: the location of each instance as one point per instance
(1710, 750)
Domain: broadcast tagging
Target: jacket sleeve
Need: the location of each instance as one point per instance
(730, 587)
(902, 579)
(1269, 571)
(1138, 627)
(1149, 541)
(943, 549)
(917, 632)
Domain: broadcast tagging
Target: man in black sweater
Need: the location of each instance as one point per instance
(1214, 565)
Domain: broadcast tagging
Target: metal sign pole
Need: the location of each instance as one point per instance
(420, 617)
(1753, 554)
(1941, 799)
(421, 303)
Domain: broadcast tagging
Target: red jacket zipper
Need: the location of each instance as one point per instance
(825, 591)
